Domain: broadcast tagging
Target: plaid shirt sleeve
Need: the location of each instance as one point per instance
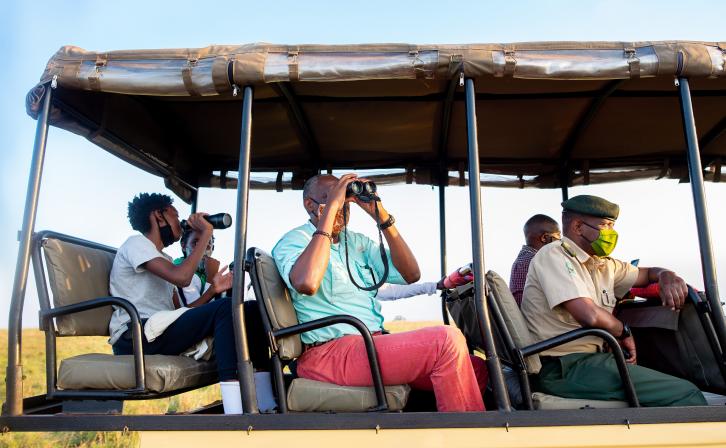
(518, 276)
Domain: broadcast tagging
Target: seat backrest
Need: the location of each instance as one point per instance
(272, 291)
(76, 273)
(513, 318)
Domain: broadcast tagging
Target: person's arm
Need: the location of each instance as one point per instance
(401, 255)
(589, 315)
(222, 281)
(673, 289)
(181, 274)
(310, 267)
(389, 291)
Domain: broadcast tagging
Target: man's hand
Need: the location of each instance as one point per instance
(673, 289)
(222, 281)
(336, 197)
(629, 345)
(197, 222)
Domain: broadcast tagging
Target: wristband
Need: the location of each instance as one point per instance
(325, 234)
(626, 332)
(389, 222)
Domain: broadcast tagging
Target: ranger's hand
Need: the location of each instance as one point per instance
(629, 345)
(673, 289)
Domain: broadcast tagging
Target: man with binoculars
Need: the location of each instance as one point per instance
(327, 278)
(146, 276)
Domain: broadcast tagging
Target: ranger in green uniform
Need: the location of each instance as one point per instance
(573, 284)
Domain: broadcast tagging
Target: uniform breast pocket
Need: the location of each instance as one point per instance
(607, 298)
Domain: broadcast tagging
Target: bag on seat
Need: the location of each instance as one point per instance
(681, 343)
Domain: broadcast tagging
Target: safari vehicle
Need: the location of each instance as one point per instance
(442, 115)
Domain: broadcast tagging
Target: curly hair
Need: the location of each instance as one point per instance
(142, 205)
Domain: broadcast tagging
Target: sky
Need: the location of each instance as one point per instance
(85, 190)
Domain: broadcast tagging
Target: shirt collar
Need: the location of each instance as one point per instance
(574, 250)
(528, 249)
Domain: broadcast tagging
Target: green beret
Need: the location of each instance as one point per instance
(586, 204)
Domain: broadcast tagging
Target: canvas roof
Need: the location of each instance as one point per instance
(547, 113)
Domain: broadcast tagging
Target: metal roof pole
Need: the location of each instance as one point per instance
(444, 181)
(477, 246)
(195, 198)
(245, 370)
(442, 242)
(14, 378)
(695, 171)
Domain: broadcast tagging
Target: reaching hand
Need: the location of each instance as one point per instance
(222, 281)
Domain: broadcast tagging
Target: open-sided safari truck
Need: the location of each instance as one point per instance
(545, 115)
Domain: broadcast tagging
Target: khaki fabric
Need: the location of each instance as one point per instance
(543, 401)
(513, 318)
(76, 274)
(562, 271)
(380, 105)
(163, 373)
(278, 303)
(314, 396)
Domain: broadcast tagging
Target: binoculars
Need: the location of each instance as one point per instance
(365, 191)
(218, 221)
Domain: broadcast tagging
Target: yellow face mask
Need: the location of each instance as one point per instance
(606, 241)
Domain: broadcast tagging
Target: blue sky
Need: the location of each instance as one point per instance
(85, 190)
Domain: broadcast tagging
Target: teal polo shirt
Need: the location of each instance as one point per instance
(337, 294)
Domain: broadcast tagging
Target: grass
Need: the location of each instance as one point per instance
(34, 384)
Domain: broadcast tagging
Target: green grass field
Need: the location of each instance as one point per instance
(34, 384)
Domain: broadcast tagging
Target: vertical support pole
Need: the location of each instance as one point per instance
(442, 239)
(495, 369)
(695, 172)
(244, 365)
(195, 199)
(14, 373)
(565, 193)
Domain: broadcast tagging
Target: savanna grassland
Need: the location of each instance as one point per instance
(34, 384)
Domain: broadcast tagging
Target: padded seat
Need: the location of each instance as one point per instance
(278, 313)
(78, 272)
(305, 395)
(116, 372)
(544, 401)
(517, 328)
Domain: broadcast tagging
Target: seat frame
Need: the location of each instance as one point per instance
(252, 255)
(48, 313)
(516, 355)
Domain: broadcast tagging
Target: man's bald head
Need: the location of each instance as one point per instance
(318, 186)
(540, 230)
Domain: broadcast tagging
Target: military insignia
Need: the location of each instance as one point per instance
(570, 267)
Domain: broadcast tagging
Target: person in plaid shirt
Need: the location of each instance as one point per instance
(538, 231)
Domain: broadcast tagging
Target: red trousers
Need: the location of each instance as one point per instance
(433, 358)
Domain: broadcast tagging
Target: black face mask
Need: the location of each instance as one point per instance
(166, 233)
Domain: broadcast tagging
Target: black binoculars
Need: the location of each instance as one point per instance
(218, 221)
(365, 191)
